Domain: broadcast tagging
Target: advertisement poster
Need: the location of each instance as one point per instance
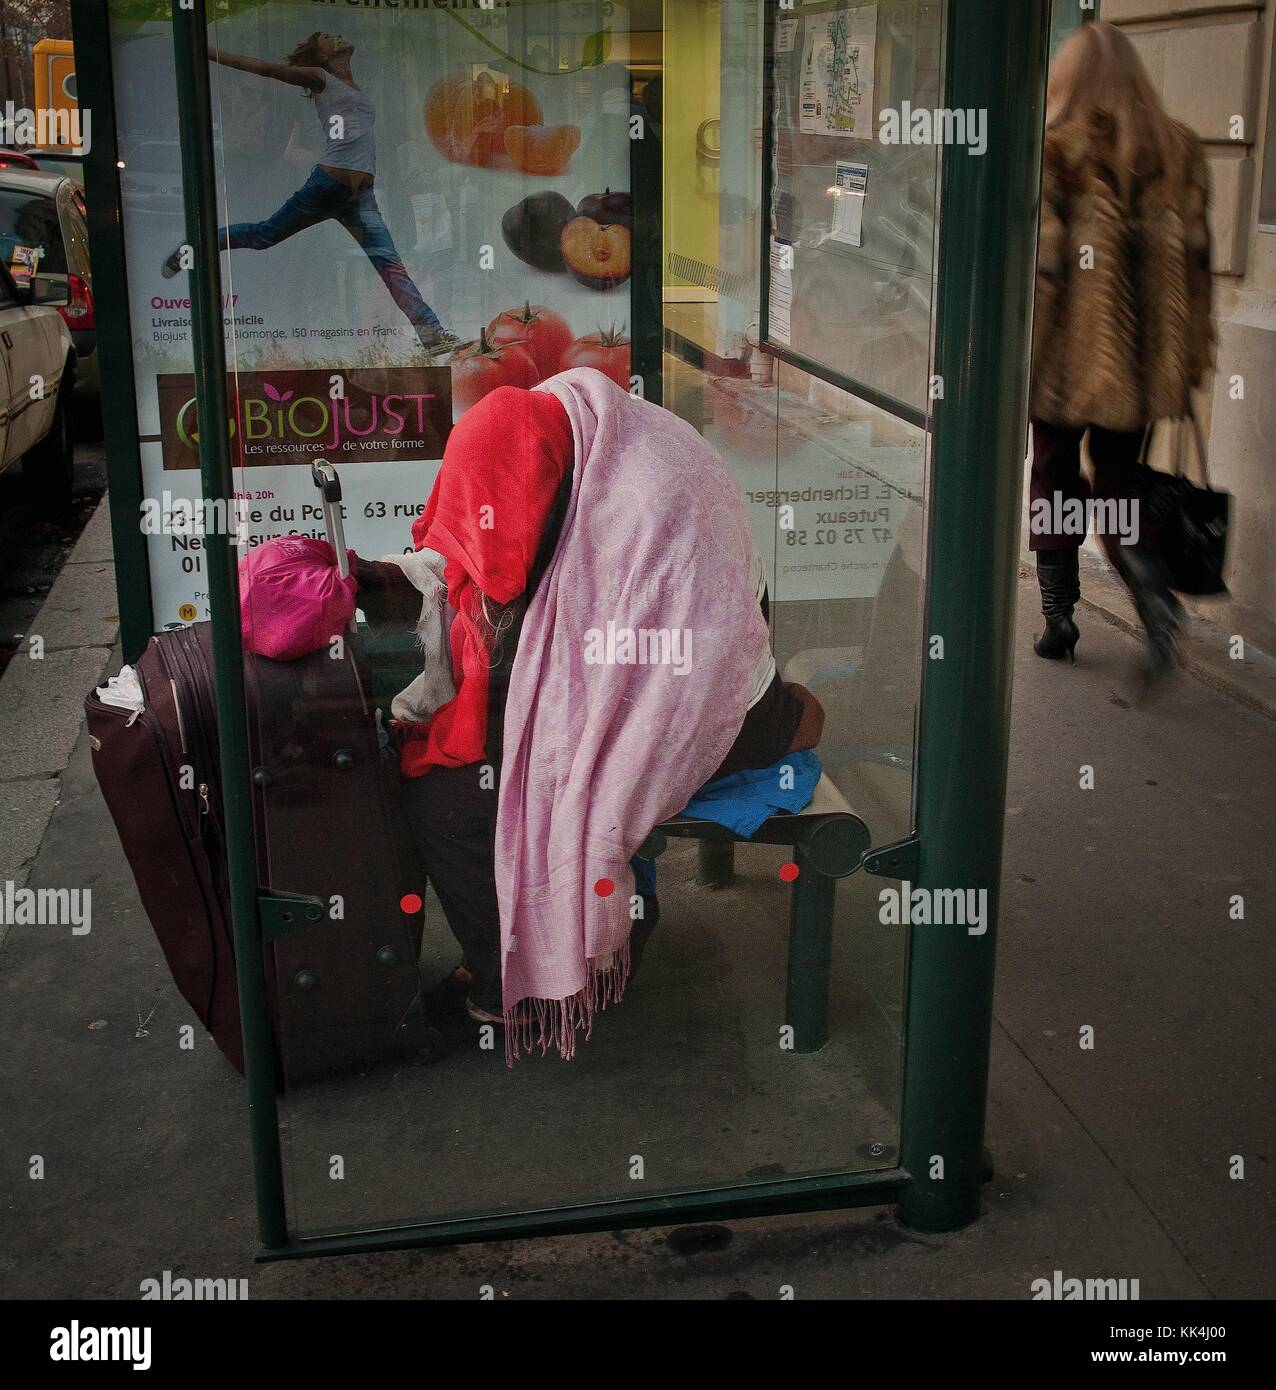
(837, 73)
(386, 176)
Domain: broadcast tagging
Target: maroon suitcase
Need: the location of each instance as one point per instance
(344, 990)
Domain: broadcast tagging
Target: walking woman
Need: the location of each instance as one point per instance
(1122, 331)
(341, 187)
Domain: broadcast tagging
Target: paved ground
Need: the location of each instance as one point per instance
(1111, 1162)
(33, 551)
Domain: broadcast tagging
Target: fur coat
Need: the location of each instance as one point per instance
(1122, 331)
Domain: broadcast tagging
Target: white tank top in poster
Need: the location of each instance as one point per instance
(348, 117)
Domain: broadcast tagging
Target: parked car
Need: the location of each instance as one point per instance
(46, 211)
(59, 161)
(37, 376)
(16, 159)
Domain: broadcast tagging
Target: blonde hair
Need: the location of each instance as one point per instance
(1098, 72)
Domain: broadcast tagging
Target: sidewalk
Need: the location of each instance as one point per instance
(1111, 1162)
(41, 702)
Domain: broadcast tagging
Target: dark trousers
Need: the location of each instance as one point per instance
(454, 819)
(322, 197)
(1056, 469)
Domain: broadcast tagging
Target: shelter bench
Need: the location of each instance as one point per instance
(828, 841)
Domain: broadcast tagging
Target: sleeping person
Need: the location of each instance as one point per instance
(596, 648)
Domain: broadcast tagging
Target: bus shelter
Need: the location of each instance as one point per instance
(806, 229)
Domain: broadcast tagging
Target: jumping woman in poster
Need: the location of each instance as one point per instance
(339, 188)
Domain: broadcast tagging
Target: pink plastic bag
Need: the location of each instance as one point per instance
(291, 598)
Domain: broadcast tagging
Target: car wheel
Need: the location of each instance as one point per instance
(49, 468)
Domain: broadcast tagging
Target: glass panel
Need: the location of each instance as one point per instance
(854, 96)
(834, 485)
(439, 169)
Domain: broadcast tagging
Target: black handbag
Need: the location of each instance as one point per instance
(1188, 524)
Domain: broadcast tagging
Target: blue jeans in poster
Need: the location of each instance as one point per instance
(321, 198)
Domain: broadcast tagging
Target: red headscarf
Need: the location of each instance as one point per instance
(502, 467)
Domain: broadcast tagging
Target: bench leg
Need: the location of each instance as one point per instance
(717, 864)
(810, 956)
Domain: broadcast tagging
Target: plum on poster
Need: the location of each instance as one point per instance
(533, 229)
(608, 208)
(598, 256)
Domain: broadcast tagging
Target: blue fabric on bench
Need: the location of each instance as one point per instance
(743, 801)
(644, 875)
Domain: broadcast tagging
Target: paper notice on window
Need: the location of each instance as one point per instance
(23, 264)
(785, 34)
(850, 184)
(837, 73)
(779, 318)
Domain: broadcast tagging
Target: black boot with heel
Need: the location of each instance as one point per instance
(1159, 610)
(1059, 578)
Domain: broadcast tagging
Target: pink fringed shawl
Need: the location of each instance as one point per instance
(630, 684)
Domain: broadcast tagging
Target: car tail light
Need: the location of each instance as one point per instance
(79, 313)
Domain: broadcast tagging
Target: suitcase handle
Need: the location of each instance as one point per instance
(324, 477)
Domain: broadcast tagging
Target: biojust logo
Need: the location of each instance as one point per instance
(1058, 515)
(1099, 1290)
(907, 906)
(644, 646)
(77, 1343)
(294, 415)
(45, 127)
(906, 125)
(47, 907)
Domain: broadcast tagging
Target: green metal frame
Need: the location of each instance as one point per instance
(95, 82)
(995, 59)
(996, 53)
(199, 192)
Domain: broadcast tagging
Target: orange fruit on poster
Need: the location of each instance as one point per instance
(542, 149)
(466, 117)
(517, 107)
